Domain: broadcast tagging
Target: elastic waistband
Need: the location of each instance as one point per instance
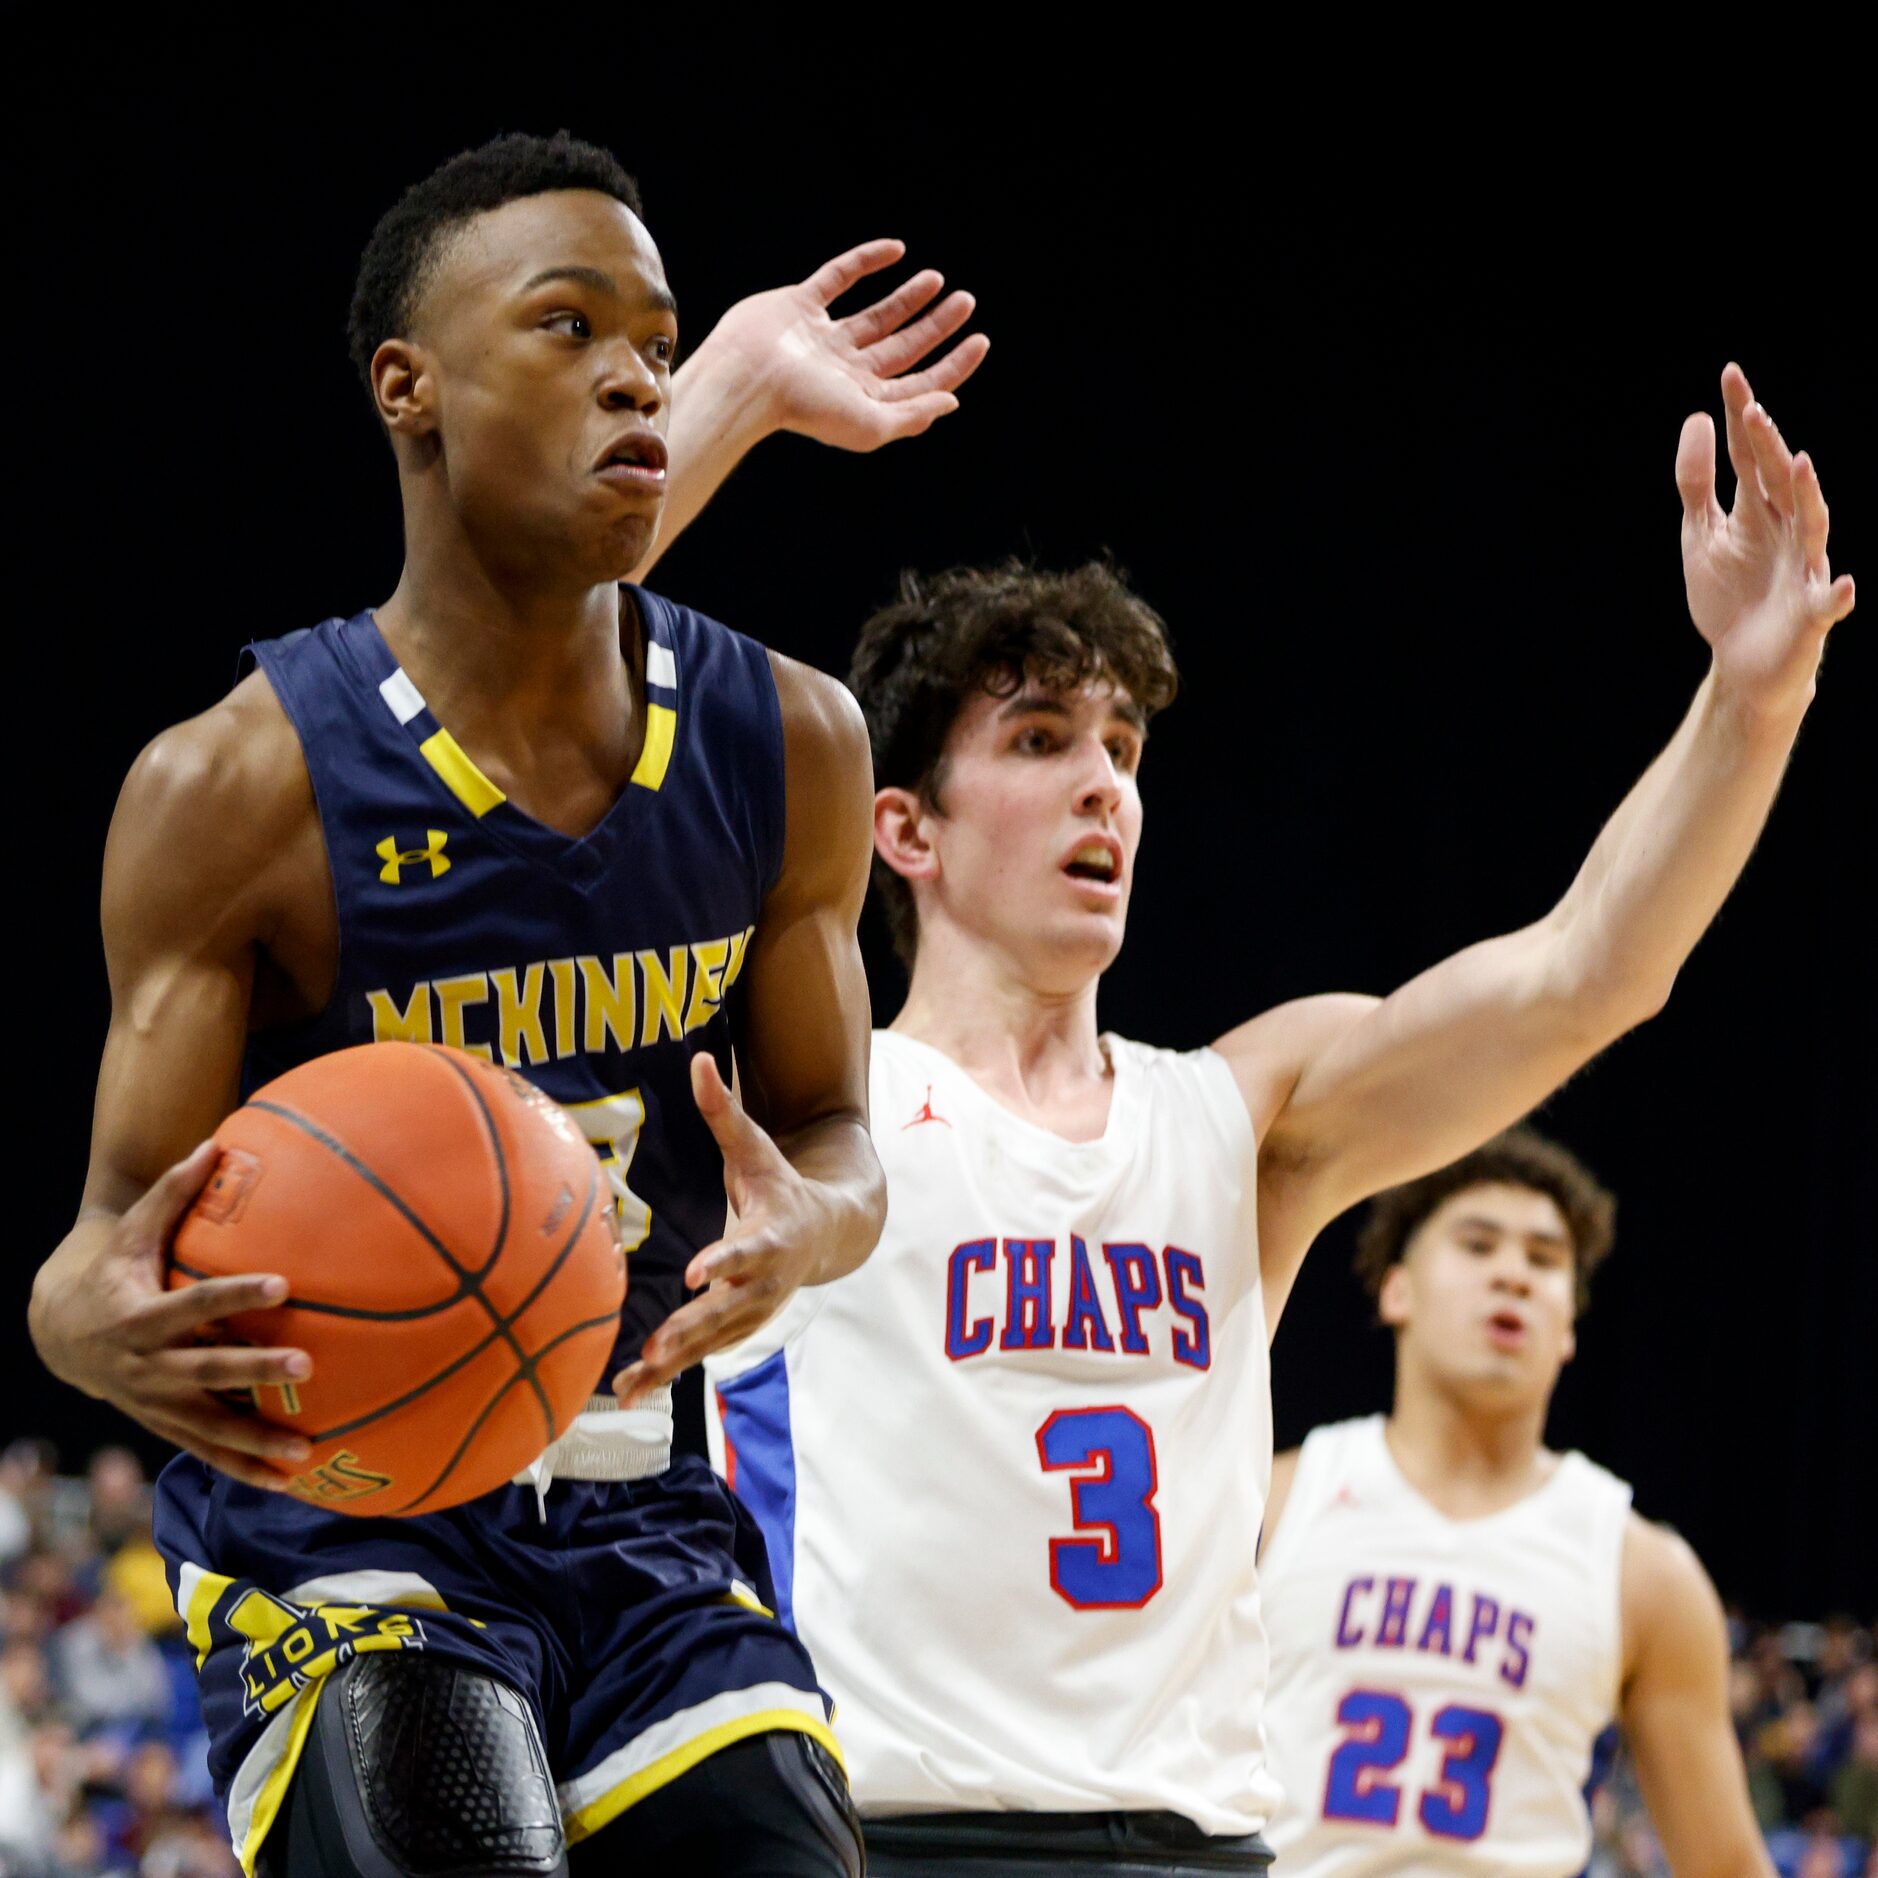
(1082, 1835)
(608, 1442)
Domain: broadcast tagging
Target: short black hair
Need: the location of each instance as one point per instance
(1519, 1157)
(403, 250)
(948, 636)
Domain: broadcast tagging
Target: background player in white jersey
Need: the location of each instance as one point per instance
(1455, 1612)
(1012, 1471)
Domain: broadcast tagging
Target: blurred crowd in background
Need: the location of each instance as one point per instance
(1805, 1701)
(103, 1760)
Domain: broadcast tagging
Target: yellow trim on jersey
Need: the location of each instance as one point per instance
(656, 757)
(204, 1595)
(588, 1820)
(461, 777)
(280, 1776)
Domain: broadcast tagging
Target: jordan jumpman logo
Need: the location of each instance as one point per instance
(926, 1114)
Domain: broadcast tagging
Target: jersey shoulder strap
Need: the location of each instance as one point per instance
(1197, 1090)
(1325, 1463)
(1596, 1507)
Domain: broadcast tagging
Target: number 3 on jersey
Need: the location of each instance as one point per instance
(612, 1124)
(1110, 1453)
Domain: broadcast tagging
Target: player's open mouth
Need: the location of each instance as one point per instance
(635, 461)
(1507, 1329)
(1097, 859)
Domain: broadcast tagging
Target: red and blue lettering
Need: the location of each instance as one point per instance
(1485, 1623)
(1348, 1639)
(963, 1340)
(1024, 1317)
(1381, 1723)
(1391, 1625)
(1392, 1632)
(1195, 1347)
(1438, 1623)
(1137, 1289)
(1027, 1322)
(1110, 1455)
(1518, 1657)
(1087, 1328)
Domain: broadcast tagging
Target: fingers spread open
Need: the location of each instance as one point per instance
(1695, 470)
(746, 1148)
(873, 323)
(233, 1366)
(893, 354)
(726, 1314)
(740, 1255)
(1841, 597)
(1810, 515)
(945, 374)
(176, 1315)
(204, 1422)
(1736, 397)
(230, 1461)
(169, 1196)
(1772, 460)
(910, 417)
(833, 278)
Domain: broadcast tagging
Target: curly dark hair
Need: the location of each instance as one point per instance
(1520, 1157)
(402, 253)
(991, 629)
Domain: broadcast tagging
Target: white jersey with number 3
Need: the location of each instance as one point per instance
(1012, 1470)
(1438, 1685)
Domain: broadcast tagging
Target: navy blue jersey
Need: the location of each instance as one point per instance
(594, 966)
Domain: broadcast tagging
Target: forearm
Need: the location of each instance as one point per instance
(837, 1155)
(1666, 860)
(720, 412)
(54, 1283)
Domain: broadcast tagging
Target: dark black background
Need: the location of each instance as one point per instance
(1379, 405)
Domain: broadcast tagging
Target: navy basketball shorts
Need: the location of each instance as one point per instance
(636, 1618)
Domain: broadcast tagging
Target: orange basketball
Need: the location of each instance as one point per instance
(444, 1230)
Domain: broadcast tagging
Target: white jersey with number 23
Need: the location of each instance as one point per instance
(1012, 1470)
(1438, 1686)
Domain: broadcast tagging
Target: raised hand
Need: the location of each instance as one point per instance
(117, 1333)
(752, 1271)
(1761, 590)
(850, 381)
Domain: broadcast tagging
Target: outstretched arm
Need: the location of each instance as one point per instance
(1674, 1711)
(782, 361)
(1353, 1095)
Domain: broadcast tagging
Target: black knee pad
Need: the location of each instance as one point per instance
(418, 1768)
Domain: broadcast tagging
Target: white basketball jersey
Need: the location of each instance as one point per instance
(1438, 1685)
(1012, 1470)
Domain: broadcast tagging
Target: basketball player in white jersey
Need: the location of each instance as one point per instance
(1012, 1471)
(1456, 1614)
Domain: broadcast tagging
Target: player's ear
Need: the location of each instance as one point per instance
(900, 834)
(1392, 1301)
(403, 388)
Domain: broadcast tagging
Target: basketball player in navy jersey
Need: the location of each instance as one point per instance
(529, 811)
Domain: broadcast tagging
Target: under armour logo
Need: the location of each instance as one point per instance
(926, 1114)
(395, 857)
